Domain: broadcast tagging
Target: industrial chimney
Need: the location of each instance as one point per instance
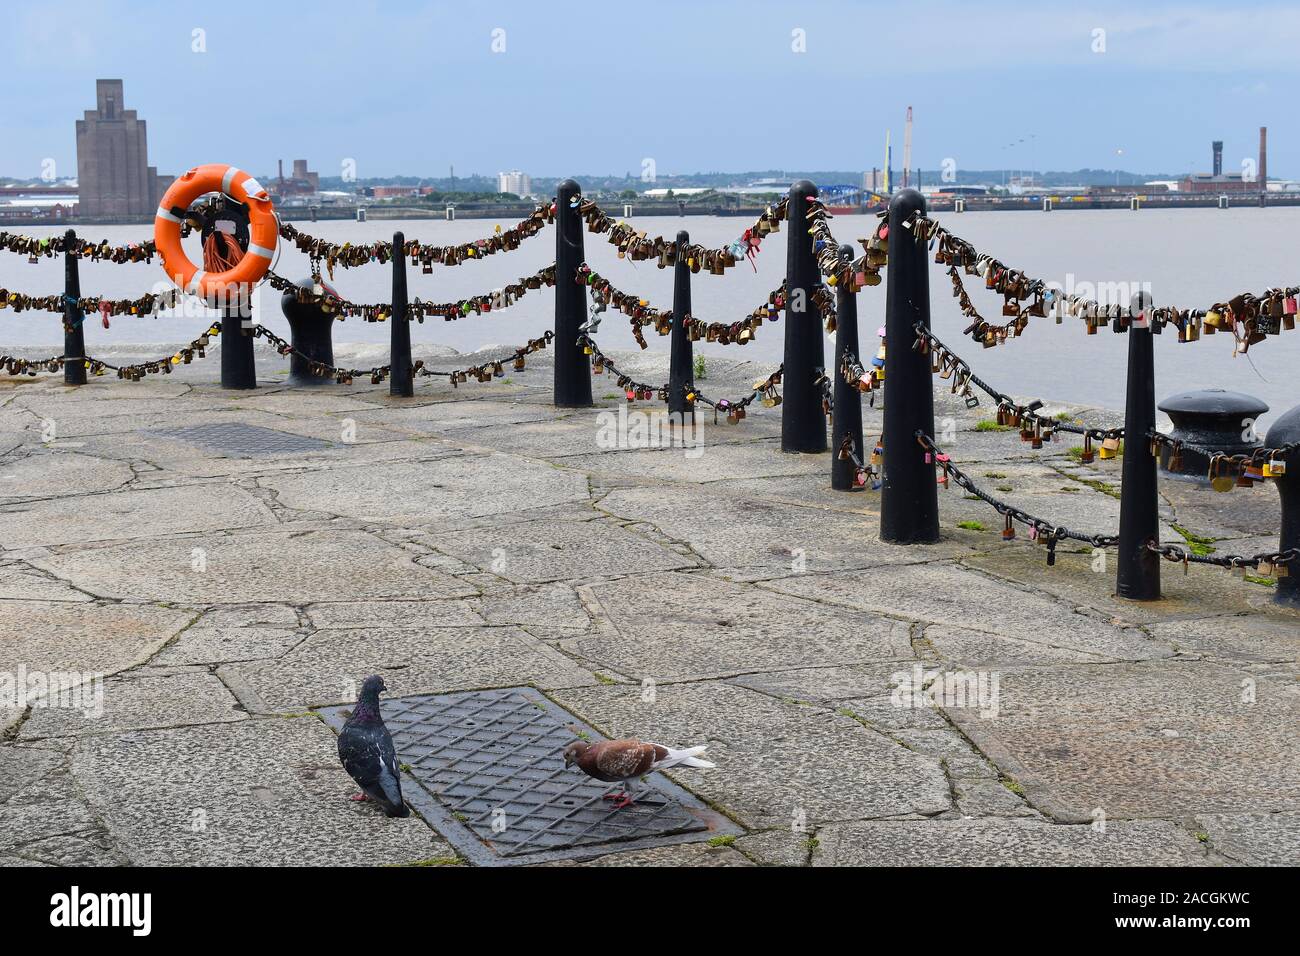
(1218, 157)
(1263, 163)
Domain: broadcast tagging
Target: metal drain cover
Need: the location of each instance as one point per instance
(236, 438)
(491, 778)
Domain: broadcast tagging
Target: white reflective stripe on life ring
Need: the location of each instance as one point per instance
(255, 250)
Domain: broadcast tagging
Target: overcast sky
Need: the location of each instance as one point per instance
(412, 88)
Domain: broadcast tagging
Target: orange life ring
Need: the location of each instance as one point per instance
(263, 232)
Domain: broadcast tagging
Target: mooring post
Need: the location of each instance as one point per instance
(1284, 431)
(311, 329)
(846, 411)
(238, 366)
(1138, 575)
(74, 334)
(909, 497)
(572, 368)
(401, 382)
(681, 370)
(803, 423)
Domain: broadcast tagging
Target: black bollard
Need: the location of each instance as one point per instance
(311, 329)
(909, 498)
(238, 366)
(400, 380)
(1138, 575)
(74, 334)
(572, 368)
(846, 415)
(1285, 431)
(681, 373)
(1214, 418)
(803, 423)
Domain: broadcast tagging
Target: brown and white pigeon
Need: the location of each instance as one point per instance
(366, 749)
(622, 761)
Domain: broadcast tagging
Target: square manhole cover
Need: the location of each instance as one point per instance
(236, 438)
(490, 777)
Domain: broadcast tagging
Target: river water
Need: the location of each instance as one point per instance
(1185, 257)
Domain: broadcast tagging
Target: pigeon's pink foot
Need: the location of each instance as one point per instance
(624, 800)
(359, 797)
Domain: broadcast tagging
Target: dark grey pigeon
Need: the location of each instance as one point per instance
(366, 749)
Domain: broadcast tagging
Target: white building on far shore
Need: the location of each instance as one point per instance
(521, 184)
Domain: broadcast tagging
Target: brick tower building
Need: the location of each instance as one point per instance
(113, 171)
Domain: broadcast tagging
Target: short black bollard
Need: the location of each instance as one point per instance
(312, 331)
(1213, 418)
(572, 368)
(803, 423)
(401, 381)
(909, 497)
(846, 412)
(1285, 431)
(1138, 575)
(238, 363)
(74, 333)
(681, 371)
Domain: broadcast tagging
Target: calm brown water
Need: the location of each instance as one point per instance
(1187, 257)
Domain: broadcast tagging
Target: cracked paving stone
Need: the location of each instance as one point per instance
(772, 537)
(259, 792)
(56, 474)
(22, 823)
(681, 626)
(942, 594)
(288, 567)
(327, 667)
(1234, 638)
(1201, 593)
(417, 615)
(542, 551)
(961, 648)
(24, 583)
(57, 636)
(139, 703)
(711, 462)
(690, 854)
(431, 492)
(1254, 839)
(948, 745)
(979, 798)
(827, 684)
(894, 712)
(72, 850)
(233, 634)
(1005, 841)
(775, 761)
(1144, 740)
(131, 514)
(21, 768)
(554, 608)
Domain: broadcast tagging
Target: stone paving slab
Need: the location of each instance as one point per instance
(140, 703)
(430, 492)
(263, 792)
(941, 594)
(324, 669)
(705, 627)
(985, 842)
(478, 537)
(84, 637)
(775, 762)
(1144, 740)
(1254, 839)
(278, 566)
(51, 474)
(130, 514)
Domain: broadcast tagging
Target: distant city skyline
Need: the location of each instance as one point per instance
(561, 89)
